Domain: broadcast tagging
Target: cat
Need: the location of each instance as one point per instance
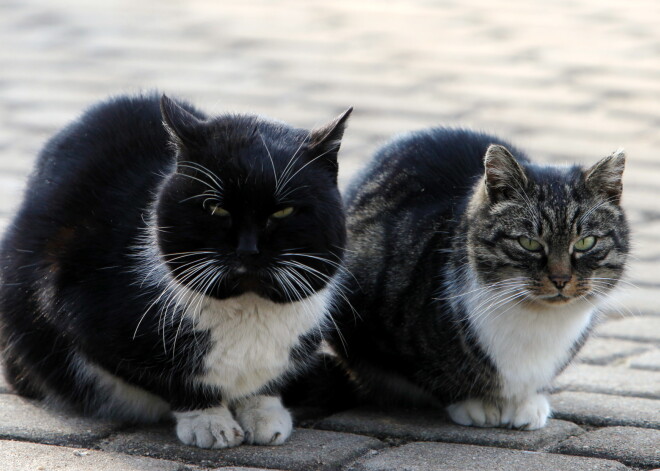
(475, 275)
(165, 263)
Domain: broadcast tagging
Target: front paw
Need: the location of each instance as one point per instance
(264, 419)
(530, 414)
(475, 412)
(208, 428)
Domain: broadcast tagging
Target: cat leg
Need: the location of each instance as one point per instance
(264, 419)
(529, 414)
(475, 412)
(208, 428)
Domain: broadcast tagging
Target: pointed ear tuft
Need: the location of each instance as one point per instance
(326, 140)
(179, 123)
(606, 176)
(503, 174)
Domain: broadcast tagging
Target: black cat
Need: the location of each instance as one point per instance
(164, 261)
(476, 275)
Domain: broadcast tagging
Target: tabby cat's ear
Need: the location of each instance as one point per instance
(606, 176)
(181, 125)
(503, 175)
(326, 140)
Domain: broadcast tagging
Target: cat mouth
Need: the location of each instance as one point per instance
(558, 298)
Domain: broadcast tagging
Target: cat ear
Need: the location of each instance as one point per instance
(606, 176)
(180, 124)
(503, 174)
(326, 140)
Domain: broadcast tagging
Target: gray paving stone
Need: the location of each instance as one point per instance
(641, 328)
(617, 380)
(305, 450)
(428, 425)
(606, 409)
(24, 420)
(20, 456)
(630, 445)
(599, 351)
(648, 361)
(454, 457)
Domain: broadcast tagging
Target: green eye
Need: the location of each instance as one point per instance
(529, 244)
(282, 213)
(586, 243)
(217, 210)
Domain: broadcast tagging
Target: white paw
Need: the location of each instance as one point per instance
(264, 419)
(530, 414)
(208, 428)
(475, 412)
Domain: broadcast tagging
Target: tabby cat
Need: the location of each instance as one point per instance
(475, 273)
(167, 263)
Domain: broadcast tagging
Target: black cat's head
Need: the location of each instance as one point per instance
(252, 205)
(547, 234)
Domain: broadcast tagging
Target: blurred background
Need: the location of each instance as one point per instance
(566, 80)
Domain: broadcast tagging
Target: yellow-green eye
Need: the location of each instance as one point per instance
(586, 243)
(217, 210)
(282, 213)
(529, 244)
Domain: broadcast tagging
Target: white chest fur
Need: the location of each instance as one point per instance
(528, 346)
(252, 339)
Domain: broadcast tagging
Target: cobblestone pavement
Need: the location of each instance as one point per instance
(567, 80)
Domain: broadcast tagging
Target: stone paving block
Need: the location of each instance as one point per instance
(599, 351)
(24, 420)
(641, 328)
(454, 457)
(617, 380)
(20, 456)
(606, 409)
(648, 361)
(427, 425)
(305, 450)
(630, 445)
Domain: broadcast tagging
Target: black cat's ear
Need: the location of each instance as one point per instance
(503, 175)
(181, 125)
(606, 176)
(326, 140)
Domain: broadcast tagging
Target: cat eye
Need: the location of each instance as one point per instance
(217, 210)
(586, 243)
(529, 244)
(282, 213)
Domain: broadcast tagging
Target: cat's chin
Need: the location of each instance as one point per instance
(551, 301)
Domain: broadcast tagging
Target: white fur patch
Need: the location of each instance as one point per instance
(208, 428)
(528, 346)
(264, 420)
(252, 339)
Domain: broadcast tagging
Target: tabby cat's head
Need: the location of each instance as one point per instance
(548, 235)
(252, 206)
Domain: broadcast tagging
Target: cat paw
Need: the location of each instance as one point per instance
(475, 412)
(208, 428)
(264, 419)
(530, 414)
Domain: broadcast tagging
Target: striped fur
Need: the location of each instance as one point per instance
(447, 301)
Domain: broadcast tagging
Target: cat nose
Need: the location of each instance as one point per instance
(560, 280)
(247, 244)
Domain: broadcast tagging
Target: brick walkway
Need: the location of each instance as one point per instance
(567, 80)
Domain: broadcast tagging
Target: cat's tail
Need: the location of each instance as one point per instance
(326, 385)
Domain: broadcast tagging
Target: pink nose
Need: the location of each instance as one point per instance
(560, 280)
